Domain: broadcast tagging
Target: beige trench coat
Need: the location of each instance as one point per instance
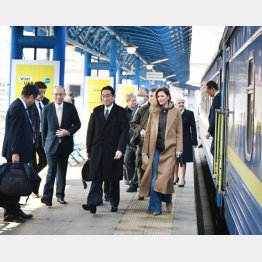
(167, 160)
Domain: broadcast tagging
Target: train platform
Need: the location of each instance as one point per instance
(132, 217)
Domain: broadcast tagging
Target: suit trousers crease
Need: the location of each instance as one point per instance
(42, 161)
(57, 167)
(112, 188)
(129, 162)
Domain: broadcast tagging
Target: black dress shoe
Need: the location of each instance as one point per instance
(132, 188)
(24, 215)
(176, 181)
(106, 197)
(62, 201)
(13, 218)
(47, 202)
(182, 185)
(113, 209)
(91, 208)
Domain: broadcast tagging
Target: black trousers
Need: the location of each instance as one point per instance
(212, 149)
(57, 167)
(42, 162)
(96, 191)
(129, 162)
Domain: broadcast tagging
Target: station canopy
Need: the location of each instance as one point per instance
(163, 49)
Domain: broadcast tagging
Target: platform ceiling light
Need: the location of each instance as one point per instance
(131, 48)
(149, 66)
(126, 40)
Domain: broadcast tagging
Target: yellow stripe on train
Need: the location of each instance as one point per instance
(253, 184)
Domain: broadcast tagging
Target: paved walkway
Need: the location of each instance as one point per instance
(131, 219)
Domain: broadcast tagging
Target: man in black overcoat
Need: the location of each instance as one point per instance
(60, 121)
(212, 91)
(18, 146)
(107, 137)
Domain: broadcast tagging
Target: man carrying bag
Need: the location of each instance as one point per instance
(18, 146)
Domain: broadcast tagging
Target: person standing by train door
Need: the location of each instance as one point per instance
(212, 91)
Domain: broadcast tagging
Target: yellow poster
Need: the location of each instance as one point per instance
(122, 91)
(24, 71)
(93, 87)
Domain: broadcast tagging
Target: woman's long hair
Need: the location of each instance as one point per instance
(155, 106)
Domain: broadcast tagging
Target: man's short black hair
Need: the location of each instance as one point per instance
(211, 84)
(41, 85)
(153, 89)
(30, 89)
(110, 88)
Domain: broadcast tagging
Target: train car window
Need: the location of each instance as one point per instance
(250, 109)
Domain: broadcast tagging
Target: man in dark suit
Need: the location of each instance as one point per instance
(130, 154)
(107, 137)
(18, 146)
(60, 121)
(35, 112)
(212, 91)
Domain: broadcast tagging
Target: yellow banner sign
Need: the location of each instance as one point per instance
(24, 71)
(93, 87)
(122, 91)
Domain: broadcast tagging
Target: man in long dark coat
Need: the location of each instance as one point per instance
(107, 137)
(213, 91)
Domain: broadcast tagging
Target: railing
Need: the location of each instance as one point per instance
(219, 154)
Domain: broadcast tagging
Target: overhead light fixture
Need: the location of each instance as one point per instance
(127, 42)
(149, 66)
(131, 48)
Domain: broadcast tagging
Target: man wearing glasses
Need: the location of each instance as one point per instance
(60, 121)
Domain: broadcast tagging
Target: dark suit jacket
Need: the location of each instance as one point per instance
(212, 113)
(18, 133)
(70, 122)
(34, 115)
(189, 135)
(45, 101)
(104, 138)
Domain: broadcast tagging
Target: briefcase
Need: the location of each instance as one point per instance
(18, 179)
(85, 174)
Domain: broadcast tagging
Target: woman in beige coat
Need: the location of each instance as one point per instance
(162, 145)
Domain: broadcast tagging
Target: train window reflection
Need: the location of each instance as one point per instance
(250, 109)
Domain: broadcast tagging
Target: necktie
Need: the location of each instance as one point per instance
(40, 107)
(106, 114)
(59, 115)
(31, 124)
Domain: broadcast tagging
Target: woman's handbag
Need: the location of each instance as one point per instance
(18, 179)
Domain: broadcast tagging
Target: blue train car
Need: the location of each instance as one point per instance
(236, 167)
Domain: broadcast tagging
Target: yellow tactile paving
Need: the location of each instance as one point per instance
(137, 221)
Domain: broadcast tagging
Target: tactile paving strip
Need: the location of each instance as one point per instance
(137, 220)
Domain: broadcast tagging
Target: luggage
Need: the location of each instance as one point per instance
(18, 179)
(85, 174)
